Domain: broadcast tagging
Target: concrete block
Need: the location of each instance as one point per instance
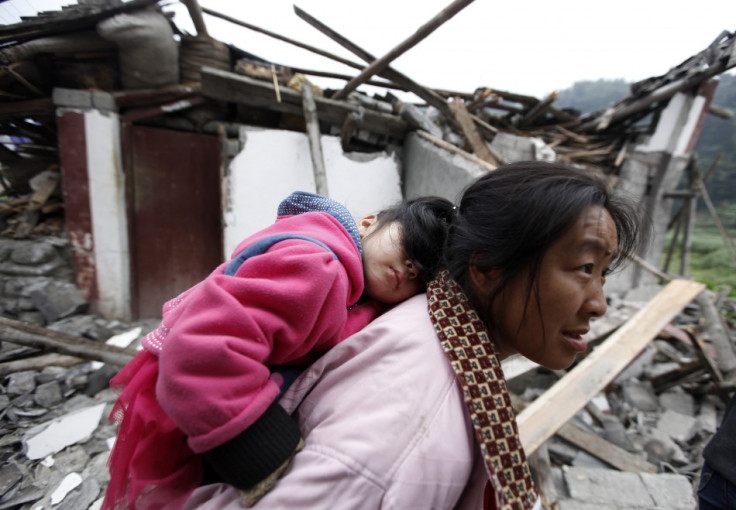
(21, 383)
(72, 98)
(605, 486)
(676, 425)
(669, 490)
(104, 102)
(585, 460)
(640, 396)
(513, 148)
(431, 170)
(33, 254)
(58, 300)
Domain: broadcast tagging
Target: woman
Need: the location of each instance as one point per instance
(413, 411)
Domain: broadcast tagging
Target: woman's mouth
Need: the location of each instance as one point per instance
(576, 340)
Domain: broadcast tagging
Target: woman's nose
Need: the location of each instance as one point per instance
(596, 304)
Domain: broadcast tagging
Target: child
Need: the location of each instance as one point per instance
(206, 383)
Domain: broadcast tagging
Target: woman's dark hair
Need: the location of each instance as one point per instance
(508, 218)
(425, 221)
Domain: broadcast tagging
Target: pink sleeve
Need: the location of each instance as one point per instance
(213, 378)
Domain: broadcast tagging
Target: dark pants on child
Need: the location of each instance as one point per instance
(715, 492)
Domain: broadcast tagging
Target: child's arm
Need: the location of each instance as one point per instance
(214, 381)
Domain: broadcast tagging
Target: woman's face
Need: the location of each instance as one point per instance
(570, 283)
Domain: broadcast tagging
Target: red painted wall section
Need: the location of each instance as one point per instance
(75, 188)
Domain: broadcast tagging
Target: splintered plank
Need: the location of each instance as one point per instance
(551, 410)
(382, 63)
(605, 451)
(476, 141)
(37, 337)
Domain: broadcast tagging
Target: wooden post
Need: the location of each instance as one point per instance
(382, 63)
(678, 220)
(313, 134)
(692, 206)
(195, 12)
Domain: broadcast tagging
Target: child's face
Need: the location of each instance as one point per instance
(390, 277)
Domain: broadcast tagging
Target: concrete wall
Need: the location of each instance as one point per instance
(431, 170)
(273, 163)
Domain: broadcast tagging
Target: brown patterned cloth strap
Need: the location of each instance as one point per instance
(474, 359)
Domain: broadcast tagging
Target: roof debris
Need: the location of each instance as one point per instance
(638, 431)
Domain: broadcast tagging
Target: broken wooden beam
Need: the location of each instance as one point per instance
(338, 76)
(42, 338)
(38, 363)
(551, 410)
(382, 63)
(282, 38)
(428, 95)
(227, 86)
(30, 107)
(659, 95)
(537, 110)
(476, 141)
(606, 451)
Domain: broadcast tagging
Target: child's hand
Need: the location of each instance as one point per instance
(250, 497)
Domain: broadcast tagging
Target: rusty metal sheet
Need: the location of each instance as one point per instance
(176, 214)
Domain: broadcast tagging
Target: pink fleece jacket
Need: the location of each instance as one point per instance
(217, 341)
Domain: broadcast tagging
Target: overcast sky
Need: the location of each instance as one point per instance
(526, 46)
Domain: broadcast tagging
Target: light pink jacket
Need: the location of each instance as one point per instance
(385, 427)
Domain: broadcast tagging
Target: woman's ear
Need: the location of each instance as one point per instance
(365, 224)
(484, 281)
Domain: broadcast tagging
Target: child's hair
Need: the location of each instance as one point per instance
(425, 222)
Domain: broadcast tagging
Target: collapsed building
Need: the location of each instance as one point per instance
(152, 152)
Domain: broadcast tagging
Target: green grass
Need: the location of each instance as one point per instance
(710, 261)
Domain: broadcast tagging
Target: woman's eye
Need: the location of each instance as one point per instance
(587, 268)
(606, 272)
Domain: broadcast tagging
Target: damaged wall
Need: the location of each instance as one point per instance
(272, 163)
(654, 169)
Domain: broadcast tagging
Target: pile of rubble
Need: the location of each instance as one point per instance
(656, 415)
